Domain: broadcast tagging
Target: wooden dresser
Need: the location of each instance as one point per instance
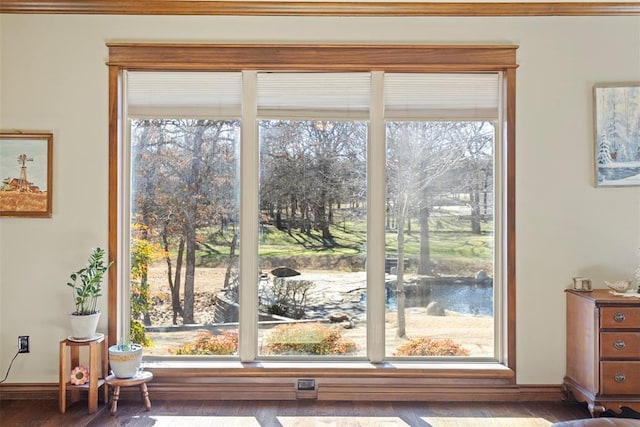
(603, 350)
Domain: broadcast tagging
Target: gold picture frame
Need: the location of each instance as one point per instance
(26, 162)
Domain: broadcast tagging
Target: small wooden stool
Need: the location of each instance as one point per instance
(140, 380)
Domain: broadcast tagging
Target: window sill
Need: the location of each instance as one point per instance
(278, 380)
(345, 369)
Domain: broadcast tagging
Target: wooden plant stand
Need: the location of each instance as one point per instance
(98, 368)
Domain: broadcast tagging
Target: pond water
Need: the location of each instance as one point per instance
(461, 298)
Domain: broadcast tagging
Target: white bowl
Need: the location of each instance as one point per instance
(619, 285)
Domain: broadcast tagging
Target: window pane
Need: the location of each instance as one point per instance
(312, 288)
(184, 227)
(312, 191)
(440, 239)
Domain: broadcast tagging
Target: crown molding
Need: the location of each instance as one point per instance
(317, 8)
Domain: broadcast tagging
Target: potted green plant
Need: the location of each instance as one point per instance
(125, 359)
(87, 287)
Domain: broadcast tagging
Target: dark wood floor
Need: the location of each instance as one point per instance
(301, 413)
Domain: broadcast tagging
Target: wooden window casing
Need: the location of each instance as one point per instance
(424, 379)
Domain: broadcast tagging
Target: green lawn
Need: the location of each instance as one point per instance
(450, 240)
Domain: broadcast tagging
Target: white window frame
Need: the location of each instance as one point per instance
(249, 208)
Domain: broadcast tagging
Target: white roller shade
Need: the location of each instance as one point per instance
(432, 96)
(314, 95)
(184, 94)
(436, 96)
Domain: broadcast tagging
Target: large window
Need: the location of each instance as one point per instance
(315, 211)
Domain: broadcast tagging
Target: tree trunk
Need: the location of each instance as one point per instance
(305, 226)
(424, 265)
(144, 278)
(232, 254)
(190, 273)
(323, 225)
(400, 297)
(321, 220)
(485, 198)
(174, 285)
(388, 215)
(474, 198)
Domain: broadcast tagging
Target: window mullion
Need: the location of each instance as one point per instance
(248, 291)
(375, 222)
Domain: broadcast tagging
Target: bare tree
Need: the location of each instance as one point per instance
(193, 164)
(477, 170)
(308, 168)
(419, 154)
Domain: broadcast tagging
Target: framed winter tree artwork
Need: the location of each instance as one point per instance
(617, 134)
(25, 170)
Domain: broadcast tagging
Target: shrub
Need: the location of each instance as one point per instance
(287, 297)
(143, 253)
(425, 346)
(307, 338)
(207, 343)
(138, 334)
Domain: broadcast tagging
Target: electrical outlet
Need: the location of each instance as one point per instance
(23, 344)
(306, 384)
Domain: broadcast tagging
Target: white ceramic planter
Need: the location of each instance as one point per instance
(125, 363)
(83, 327)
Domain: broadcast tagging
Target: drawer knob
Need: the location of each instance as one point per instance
(619, 317)
(619, 378)
(619, 344)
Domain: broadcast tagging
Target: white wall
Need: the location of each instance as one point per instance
(53, 77)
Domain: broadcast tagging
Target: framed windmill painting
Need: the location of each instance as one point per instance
(617, 134)
(26, 171)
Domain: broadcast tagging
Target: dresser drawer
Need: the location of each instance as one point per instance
(620, 345)
(620, 377)
(620, 317)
